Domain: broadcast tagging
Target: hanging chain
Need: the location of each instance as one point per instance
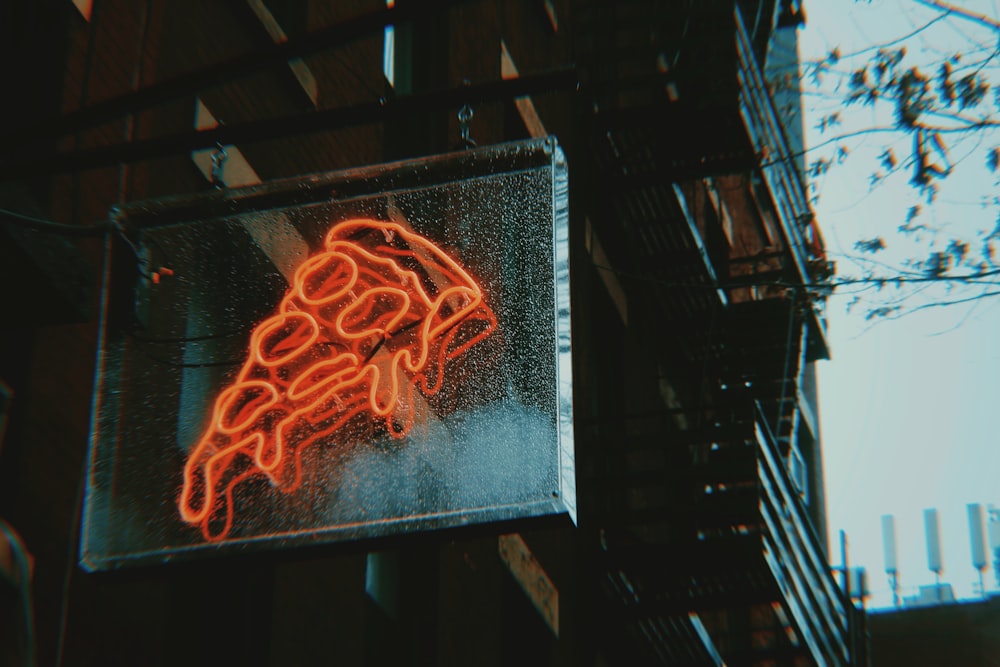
(219, 157)
(464, 120)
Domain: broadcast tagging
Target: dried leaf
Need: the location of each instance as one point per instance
(870, 246)
(993, 158)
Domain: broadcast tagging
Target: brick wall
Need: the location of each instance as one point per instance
(251, 612)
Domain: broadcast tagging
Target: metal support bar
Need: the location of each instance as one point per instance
(191, 82)
(275, 128)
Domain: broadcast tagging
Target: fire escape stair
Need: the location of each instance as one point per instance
(713, 527)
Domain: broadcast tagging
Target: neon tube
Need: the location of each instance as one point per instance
(366, 324)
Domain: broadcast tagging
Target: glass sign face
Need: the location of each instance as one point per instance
(342, 356)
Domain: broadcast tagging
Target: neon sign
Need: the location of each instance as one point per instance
(360, 341)
(351, 355)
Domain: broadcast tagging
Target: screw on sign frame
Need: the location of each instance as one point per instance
(368, 323)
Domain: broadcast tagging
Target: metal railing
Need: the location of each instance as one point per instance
(824, 616)
(778, 163)
(755, 538)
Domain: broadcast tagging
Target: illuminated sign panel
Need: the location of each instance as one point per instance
(343, 356)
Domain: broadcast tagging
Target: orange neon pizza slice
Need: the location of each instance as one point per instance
(367, 328)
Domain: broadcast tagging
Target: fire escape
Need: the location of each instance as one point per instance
(707, 537)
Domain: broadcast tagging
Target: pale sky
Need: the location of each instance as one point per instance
(906, 405)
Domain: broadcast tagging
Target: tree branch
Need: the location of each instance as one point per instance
(971, 279)
(882, 129)
(945, 304)
(949, 8)
(875, 281)
(874, 47)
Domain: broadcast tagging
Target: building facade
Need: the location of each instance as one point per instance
(941, 634)
(697, 309)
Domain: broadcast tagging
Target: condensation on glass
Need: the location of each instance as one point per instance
(343, 356)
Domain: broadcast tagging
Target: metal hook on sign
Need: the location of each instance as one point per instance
(219, 157)
(464, 120)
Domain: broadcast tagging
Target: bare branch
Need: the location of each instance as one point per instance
(946, 105)
(949, 8)
(833, 140)
(958, 324)
(882, 45)
(970, 279)
(945, 304)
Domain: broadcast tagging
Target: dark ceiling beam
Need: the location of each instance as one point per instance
(284, 126)
(190, 83)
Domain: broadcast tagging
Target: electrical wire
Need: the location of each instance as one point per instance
(126, 174)
(788, 362)
(185, 339)
(197, 364)
(76, 190)
(41, 224)
(71, 547)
